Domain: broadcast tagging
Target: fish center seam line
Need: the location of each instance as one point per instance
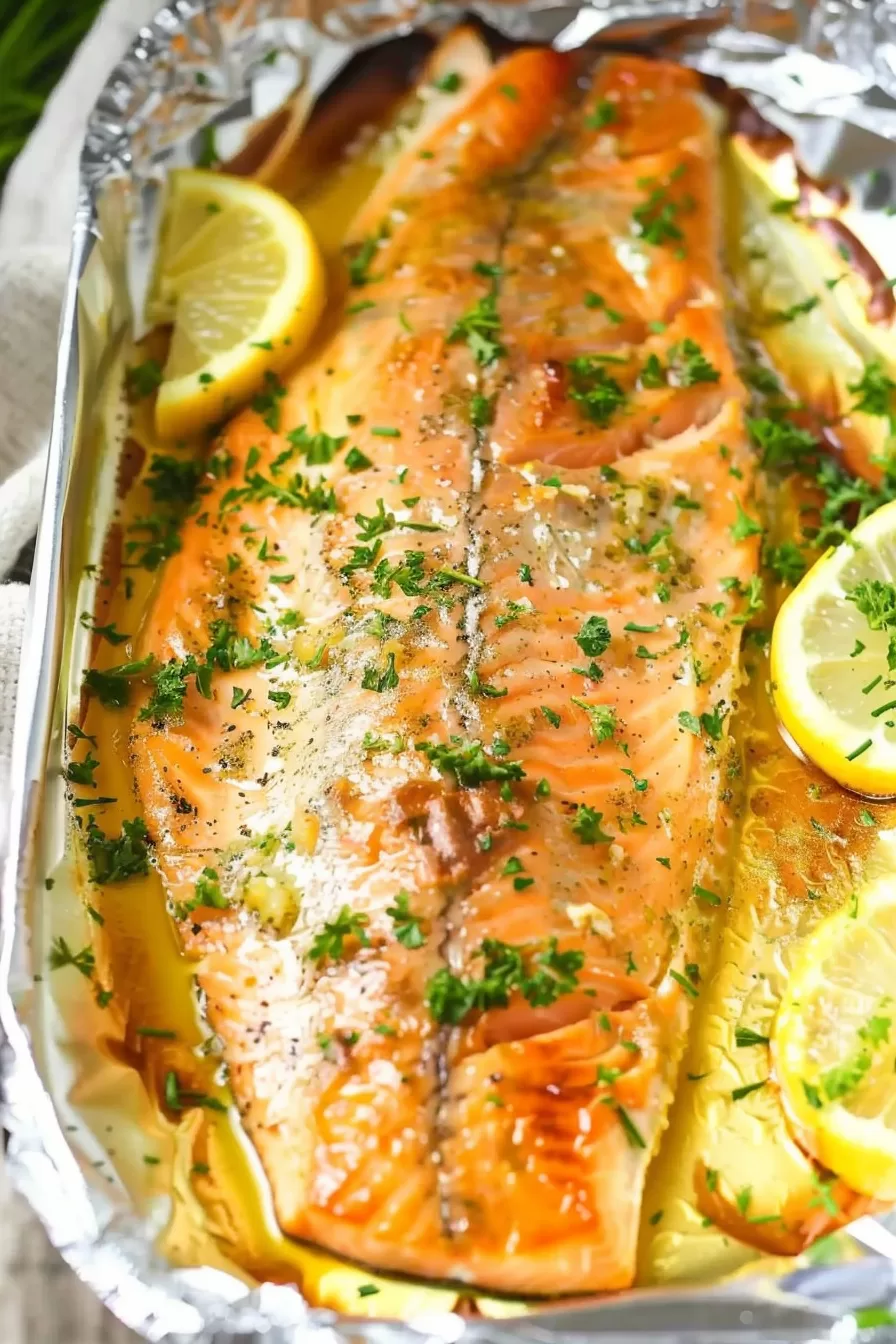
(490, 382)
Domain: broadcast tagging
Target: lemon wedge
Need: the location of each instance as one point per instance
(834, 1041)
(239, 276)
(833, 684)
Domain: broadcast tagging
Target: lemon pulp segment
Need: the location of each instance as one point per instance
(240, 278)
(832, 683)
(834, 1043)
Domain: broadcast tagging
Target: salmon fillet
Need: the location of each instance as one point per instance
(439, 797)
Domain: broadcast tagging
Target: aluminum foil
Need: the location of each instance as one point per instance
(826, 73)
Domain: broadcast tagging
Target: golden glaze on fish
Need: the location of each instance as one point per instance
(551, 476)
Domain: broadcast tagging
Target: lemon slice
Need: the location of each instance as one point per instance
(834, 1041)
(239, 275)
(833, 688)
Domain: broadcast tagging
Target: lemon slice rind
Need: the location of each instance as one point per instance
(244, 300)
(859, 1148)
(829, 668)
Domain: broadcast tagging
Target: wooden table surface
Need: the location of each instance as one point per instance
(41, 1300)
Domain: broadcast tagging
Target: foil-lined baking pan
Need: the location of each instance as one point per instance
(824, 73)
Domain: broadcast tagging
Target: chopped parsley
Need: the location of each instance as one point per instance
(141, 380)
(689, 365)
(541, 977)
(761, 379)
(329, 942)
(117, 858)
(360, 261)
(594, 637)
(848, 499)
(746, 1036)
(512, 612)
(160, 540)
(112, 687)
(61, 955)
(738, 1093)
(169, 690)
(266, 403)
(375, 524)
(601, 717)
(317, 449)
(782, 445)
(776, 316)
(786, 562)
(744, 526)
(81, 772)
(875, 391)
(630, 1129)
(178, 1098)
(375, 745)
(173, 480)
(876, 601)
(79, 735)
(709, 722)
(376, 679)
(208, 890)
(450, 82)
(468, 763)
(844, 1078)
(653, 374)
(596, 392)
(479, 687)
(593, 300)
(685, 983)
(108, 632)
(586, 826)
(655, 219)
(405, 922)
(480, 327)
(227, 651)
(603, 114)
(482, 410)
(355, 460)
(712, 722)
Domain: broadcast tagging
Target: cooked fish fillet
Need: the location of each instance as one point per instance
(456, 754)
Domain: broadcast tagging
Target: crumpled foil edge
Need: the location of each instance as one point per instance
(149, 101)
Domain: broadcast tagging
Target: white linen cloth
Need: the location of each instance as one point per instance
(35, 224)
(38, 1304)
